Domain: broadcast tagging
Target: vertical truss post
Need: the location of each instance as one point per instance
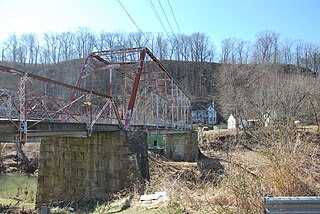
(23, 126)
(135, 89)
(110, 93)
(145, 106)
(110, 113)
(181, 109)
(157, 110)
(184, 112)
(163, 112)
(116, 111)
(172, 108)
(189, 114)
(152, 108)
(124, 94)
(166, 113)
(88, 105)
(177, 99)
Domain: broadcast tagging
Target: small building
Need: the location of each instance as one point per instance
(232, 122)
(269, 117)
(155, 141)
(206, 116)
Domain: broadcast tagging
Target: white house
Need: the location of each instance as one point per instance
(232, 123)
(269, 117)
(208, 115)
(212, 115)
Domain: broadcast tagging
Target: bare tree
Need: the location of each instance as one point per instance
(161, 46)
(12, 44)
(241, 51)
(174, 48)
(66, 44)
(85, 42)
(138, 39)
(5, 47)
(315, 59)
(51, 47)
(287, 51)
(267, 47)
(30, 41)
(200, 47)
(227, 48)
(122, 40)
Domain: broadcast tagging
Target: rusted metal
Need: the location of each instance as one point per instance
(165, 105)
(126, 87)
(47, 80)
(23, 130)
(32, 102)
(134, 89)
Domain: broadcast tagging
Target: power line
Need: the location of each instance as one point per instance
(174, 16)
(158, 17)
(165, 15)
(132, 20)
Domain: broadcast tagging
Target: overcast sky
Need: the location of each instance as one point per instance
(219, 19)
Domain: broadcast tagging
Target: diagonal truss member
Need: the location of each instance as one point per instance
(29, 100)
(144, 92)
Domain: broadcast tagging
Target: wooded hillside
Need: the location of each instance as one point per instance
(248, 91)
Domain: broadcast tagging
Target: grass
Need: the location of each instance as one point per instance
(286, 164)
(18, 190)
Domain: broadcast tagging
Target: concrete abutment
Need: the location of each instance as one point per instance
(86, 169)
(181, 146)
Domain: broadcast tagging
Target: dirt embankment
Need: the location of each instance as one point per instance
(19, 158)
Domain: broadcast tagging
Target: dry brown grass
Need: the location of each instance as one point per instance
(285, 166)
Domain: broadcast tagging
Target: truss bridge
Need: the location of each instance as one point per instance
(126, 89)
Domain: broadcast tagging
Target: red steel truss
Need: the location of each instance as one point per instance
(144, 92)
(123, 87)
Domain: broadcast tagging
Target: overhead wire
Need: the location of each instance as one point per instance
(174, 16)
(165, 15)
(158, 17)
(174, 36)
(133, 20)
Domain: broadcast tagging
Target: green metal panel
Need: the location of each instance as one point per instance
(155, 141)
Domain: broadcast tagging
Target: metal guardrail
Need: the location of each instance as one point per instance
(286, 205)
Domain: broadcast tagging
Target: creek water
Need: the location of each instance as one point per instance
(18, 189)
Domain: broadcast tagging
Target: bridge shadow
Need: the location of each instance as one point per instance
(210, 167)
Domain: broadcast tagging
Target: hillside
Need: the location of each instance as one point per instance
(257, 162)
(204, 82)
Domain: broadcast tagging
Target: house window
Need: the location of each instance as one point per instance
(155, 143)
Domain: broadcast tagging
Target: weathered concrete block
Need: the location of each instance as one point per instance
(71, 169)
(181, 146)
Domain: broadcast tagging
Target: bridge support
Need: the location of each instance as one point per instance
(82, 169)
(178, 146)
(181, 146)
